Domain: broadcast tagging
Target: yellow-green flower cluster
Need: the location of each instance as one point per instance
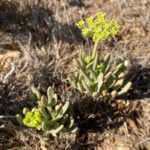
(88, 59)
(98, 28)
(33, 119)
(99, 68)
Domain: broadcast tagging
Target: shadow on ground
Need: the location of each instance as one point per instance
(140, 84)
(78, 3)
(9, 103)
(36, 21)
(93, 117)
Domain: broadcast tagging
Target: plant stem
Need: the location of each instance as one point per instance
(95, 50)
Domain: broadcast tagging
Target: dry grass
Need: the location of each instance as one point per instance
(38, 40)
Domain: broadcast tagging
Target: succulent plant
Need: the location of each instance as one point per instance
(49, 115)
(92, 76)
(98, 79)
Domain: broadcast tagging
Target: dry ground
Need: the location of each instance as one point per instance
(38, 39)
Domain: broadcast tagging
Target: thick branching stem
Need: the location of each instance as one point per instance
(95, 50)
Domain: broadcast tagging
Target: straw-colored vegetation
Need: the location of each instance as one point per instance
(39, 41)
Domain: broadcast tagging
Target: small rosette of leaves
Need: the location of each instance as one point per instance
(98, 79)
(49, 115)
(98, 28)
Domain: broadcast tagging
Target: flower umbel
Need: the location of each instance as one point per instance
(88, 59)
(33, 119)
(98, 28)
(99, 68)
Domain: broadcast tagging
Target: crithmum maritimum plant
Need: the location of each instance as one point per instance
(94, 77)
(49, 115)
